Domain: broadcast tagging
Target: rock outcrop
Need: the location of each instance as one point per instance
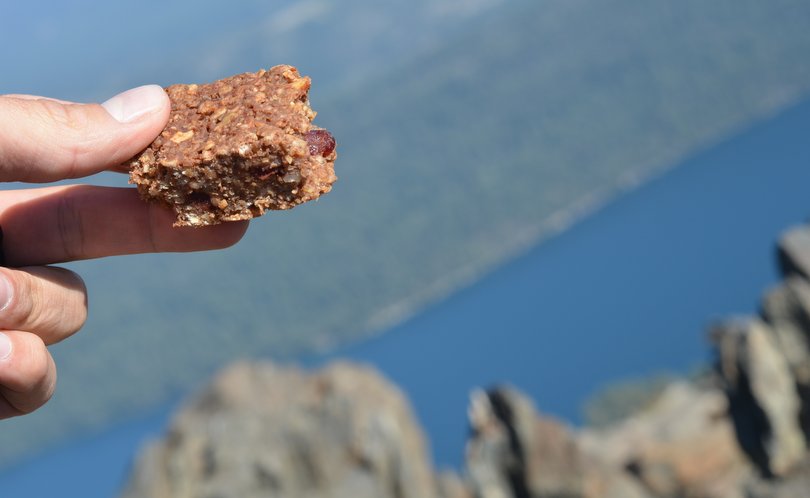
(261, 430)
(786, 309)
(763, 402)
(794, 485)
(513, 452)
(682, 445)
(793, 252)
(764, 365)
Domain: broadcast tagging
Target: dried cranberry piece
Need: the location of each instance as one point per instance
(321, 142)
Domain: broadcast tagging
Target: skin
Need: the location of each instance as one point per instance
(44, 140)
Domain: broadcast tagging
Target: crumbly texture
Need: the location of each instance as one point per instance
(235, 148)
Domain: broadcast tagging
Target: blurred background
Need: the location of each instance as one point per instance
(554, 195)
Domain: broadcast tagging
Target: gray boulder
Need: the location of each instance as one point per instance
(787, 310)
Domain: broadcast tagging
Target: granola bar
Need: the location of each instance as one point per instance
(235, 148)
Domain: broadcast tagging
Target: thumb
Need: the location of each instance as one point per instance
(44, 140)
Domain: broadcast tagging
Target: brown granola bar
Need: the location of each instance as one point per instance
(237, 147)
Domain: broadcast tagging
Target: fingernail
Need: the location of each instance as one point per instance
(5, 291)
(132, 104)
(5, 346)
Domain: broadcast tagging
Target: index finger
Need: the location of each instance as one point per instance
(66, 223)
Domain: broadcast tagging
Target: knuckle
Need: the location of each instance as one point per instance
(70, 227)
(11, 111)
(48, 301)
(63, 308)
(73, 123)
(69, 117)
(74, 320)
(83, 307)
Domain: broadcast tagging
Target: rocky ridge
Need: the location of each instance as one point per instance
(741, 432)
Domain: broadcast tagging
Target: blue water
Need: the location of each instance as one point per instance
(625, 293)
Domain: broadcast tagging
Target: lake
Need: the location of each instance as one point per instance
(627, 292)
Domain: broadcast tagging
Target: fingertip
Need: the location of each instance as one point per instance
(212, 237)
(168, 238)
(232, 232)
(27, 373)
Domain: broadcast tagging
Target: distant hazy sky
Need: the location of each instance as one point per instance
(78, 49)
(86, 49)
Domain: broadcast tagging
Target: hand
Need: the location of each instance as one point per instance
(44, 140)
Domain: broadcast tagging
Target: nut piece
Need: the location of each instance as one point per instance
(181, 136)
